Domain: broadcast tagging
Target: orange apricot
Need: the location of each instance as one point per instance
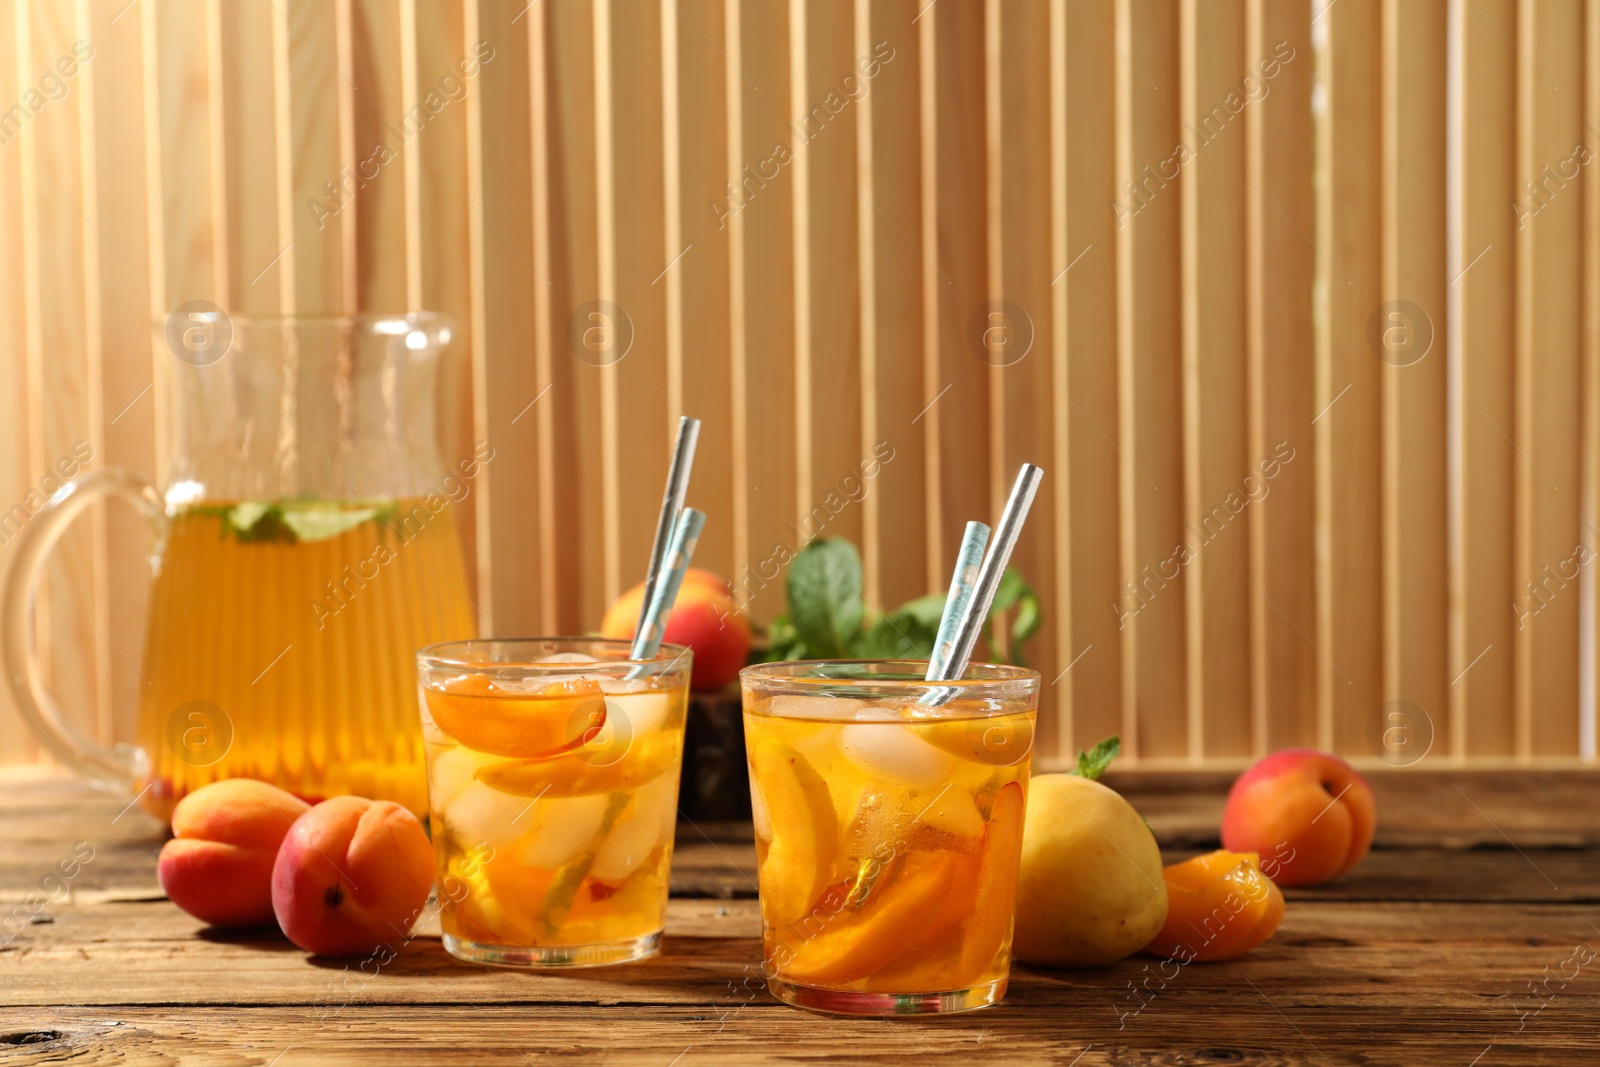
(218, 867)
(1219, 905)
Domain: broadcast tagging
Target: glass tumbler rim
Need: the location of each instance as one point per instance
(991, 681)
(454, 656)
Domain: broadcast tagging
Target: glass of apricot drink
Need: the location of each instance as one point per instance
(553, 786)
(888, 819)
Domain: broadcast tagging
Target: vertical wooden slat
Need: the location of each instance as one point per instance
(119, 263)
(178, 168)
(1591, 383)
(1349, 633)
(953, 242)
(570, 412)
(16, 744)
(757, 206)
(1413, 385)
(433, 45)
(62, 346)
(1481, 336)
(312, 218)
(888, 154)
(1020, 318)
(1084, 334)
(695, 89)
(1281, 268)
(1548, 364)
(378, 225)
(248, 208)
(823, 86)
(637, 423)
(1152, 608)
(499, 175)
(1218, 472)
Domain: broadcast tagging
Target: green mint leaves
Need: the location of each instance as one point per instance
(296, 521)
(829, 618)
(825, 602)
(1093, 763)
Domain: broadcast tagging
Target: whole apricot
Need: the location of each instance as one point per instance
(1309, 816)
(352, 876)
(705, 618)
(218, 866)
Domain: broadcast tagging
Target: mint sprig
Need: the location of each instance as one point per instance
(1093, 763)
(829, 618)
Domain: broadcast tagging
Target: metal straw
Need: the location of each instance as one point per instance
(671, 505)
(994, 565)
(680, 550)
(968, 559)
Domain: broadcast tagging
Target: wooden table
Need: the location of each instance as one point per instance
(1481, 889)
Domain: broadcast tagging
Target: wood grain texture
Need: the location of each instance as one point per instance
(115, 973)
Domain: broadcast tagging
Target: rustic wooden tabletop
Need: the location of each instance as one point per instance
(1470, 937)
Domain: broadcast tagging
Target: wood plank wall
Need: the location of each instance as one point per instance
(1288, 300)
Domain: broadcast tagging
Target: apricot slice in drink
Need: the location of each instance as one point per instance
(902, 912)
(576, 774)
(482, 716)
(997, 885)
(1219, 906)
(805, 830)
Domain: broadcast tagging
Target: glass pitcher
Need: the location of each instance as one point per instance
(305, 548)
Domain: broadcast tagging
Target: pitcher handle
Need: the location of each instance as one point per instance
(118, 765)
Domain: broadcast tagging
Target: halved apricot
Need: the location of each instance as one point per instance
(482, 716)
(1219, 905)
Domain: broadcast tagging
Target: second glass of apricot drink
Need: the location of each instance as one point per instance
(888, 818)
(553, 770)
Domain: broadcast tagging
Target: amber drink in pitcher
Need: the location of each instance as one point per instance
(303, 548)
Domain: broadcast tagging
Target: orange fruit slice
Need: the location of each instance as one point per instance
(805, 831)
(574, 775)
(482, 716)
(914, 904)
(1219, 906)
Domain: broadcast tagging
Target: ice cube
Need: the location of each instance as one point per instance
(879, 824)
(836, 709)
(636, 834)
(560, 829)
(643, 713)
(475, 814)
(893, 753)
(566, 657)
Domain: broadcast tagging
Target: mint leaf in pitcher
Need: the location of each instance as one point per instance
(323, 521)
